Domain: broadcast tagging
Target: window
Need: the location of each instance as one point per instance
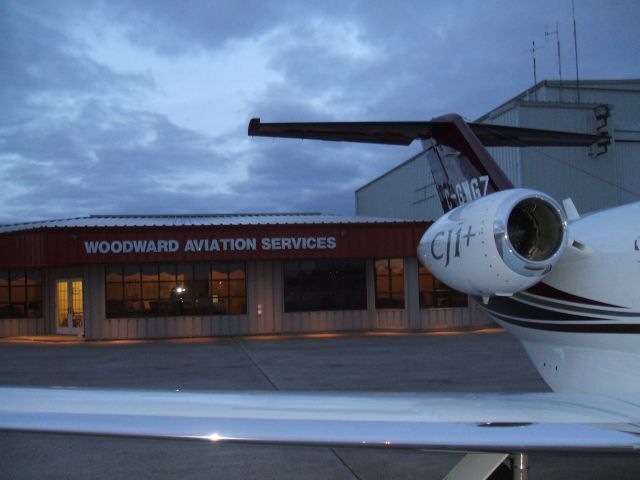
(435, 294)
(320, 285)
(160, 290)
(20, 294)
(227, 288)
(389, 283)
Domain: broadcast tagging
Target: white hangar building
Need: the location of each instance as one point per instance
(595, 178)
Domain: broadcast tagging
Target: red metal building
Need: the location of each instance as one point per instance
(150, 276)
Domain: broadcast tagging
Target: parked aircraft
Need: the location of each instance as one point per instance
(566, 286)
(545, 277)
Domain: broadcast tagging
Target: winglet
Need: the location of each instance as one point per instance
(254, 126)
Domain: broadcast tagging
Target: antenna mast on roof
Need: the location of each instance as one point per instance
(547, 34)
(535, 72)
(575, 42)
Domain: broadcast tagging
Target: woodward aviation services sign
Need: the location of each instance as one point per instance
(53, 247)
(265, 244)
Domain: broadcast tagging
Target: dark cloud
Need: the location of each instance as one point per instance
(301, 178)
(123, 161)
(175, 28)
(433, 57)
(38, 58)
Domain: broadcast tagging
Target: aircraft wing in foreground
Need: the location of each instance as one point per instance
(476, 422)
(489, 423)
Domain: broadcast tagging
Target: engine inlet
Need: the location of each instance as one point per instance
(535, 229)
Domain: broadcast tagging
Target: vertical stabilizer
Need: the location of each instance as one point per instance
(462, 168)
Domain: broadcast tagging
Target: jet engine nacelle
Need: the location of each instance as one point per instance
(498, 244)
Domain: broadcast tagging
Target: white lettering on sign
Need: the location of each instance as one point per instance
(210, 245)
(131, 246)
(298, 243)
(221, 245)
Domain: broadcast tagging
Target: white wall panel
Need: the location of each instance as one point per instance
(407, 191)
(628, 171)
(592, 182)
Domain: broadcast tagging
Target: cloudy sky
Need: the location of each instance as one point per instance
(142, 106)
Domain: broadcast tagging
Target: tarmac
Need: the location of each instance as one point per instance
(479, 361)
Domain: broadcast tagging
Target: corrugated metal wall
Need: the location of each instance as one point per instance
(593, 183)
(404, 192)
(568, 172)
(508, 158)
(624, 97)
(16, 327)
(264, 289)
(627, 171)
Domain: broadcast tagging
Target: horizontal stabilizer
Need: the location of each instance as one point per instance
(504, 136)
(403, 133)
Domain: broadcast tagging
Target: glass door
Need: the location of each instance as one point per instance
(70, 314)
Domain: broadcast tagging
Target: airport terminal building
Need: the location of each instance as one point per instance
(154, 276)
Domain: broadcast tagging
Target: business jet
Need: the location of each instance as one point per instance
(567, 286)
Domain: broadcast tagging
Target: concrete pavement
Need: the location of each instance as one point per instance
(463, 362)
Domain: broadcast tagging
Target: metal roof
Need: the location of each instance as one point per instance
(190, 220)
(630, 84)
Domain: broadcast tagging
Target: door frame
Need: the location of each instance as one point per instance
(69, 329)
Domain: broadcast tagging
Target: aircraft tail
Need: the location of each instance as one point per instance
(462, 168)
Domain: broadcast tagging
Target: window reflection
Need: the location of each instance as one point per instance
(435, 294)
(20, 294)
(389, 283)
(158, 290)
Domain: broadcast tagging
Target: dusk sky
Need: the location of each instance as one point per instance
(120, 107)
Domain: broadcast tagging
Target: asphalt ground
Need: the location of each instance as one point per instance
(484, 361)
